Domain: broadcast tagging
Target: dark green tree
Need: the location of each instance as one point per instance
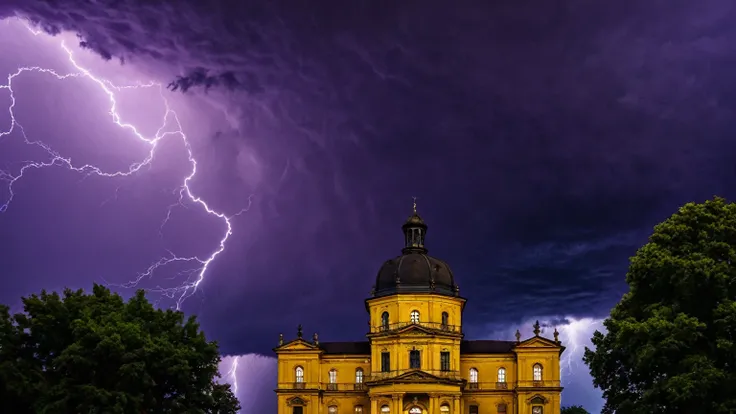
(574, 409)
(669, 346)
(95, 353)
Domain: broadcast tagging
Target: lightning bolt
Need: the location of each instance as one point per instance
(575, 337)
(196, 273)
(233, 374)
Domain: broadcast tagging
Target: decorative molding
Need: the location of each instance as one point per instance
(297, 400)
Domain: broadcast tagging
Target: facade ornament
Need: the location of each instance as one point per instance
(299, 331)
(536, 328)
(281, 339)
(315, 338)
(518, 336)
(557, 335)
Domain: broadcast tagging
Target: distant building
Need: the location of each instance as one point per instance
(415, 360)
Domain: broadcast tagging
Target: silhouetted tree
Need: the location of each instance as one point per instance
(96, 353)
(574, 409)
(670, 341)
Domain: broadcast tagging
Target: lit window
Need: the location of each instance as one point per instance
(332, 409)
(445, 408)
(415, 410)
(359, 376)
(358, 409)
(501, 375)
(385, 409)
(537, 410)
(414, 316)
(299, 374)
(473, 375)
(333, 376)
(473, 409)
(537, 373)
(384, 321)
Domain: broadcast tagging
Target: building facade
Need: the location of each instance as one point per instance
(415, 359)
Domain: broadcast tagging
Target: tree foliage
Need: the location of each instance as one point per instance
(669, 346)
(574, 409)
(95, 353)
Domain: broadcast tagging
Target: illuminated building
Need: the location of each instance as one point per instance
(416, 360)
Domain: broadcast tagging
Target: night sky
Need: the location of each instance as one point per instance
(542, 139)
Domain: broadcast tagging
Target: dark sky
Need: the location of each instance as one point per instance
(543, 140)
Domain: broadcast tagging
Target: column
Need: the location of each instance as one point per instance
(456, 404)
(374, 406)
(397, 403)
(434, 403)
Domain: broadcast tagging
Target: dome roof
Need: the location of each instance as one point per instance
(415, 271)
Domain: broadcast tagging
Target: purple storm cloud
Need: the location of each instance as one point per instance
(543, 141)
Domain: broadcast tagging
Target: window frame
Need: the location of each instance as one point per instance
(501, 375)
(415, 359)
(299, 374)
(445, 361)
(332, 375)
(537, 372)
(473, 375)
(359, 375)
(385, 361)
(385, 320)
(415, 316)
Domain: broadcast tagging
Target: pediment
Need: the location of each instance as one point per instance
(414, 329)
(296, 401)
(538, 342)
(416, 376)
(297, 345)
(537, 399)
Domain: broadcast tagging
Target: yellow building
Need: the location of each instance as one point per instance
(415, 360)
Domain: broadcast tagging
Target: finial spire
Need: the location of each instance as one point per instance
(414, 232)
(518, 336)
(557, 335)
(414, 205)
(315, 338)
(299, 331)
(281, 339)
(536, 328)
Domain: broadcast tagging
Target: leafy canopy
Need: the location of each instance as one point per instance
(670, 341)
(574, 409)
(96, 353)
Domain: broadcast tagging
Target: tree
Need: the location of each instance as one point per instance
(574, 409)
(669, 346)
(96, 353)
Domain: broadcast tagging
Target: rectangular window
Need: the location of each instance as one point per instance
(444, 361)
(297, 410)
(415, 360)
(473, 409)
(385, 361)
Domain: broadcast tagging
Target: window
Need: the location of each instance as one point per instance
(358, 409)
(501, 408)
(384, 321)
(537, 373)
(385, 361)
(415, 316)
(473, 375)
(385, 409)
(445, 320)
(473, 409)
(415, 359)
(415, 410)
(359, 376)
(537, 410)
(502, 375)
(332, 409)
(333, 376)
(297, 410)
(445, 408)
(299, 371)
(444, 361)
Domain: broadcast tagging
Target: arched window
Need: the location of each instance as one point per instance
(415, 410)
(384, 321)
(415, 316)
(537, 372)
(445, 320)
(501, 375)
(359, 376)
(444, 408)
(299, 371)
(385, 409)
(332, 409)
(333, 376)
(358, 409)
(537, 410)
(473, 375)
